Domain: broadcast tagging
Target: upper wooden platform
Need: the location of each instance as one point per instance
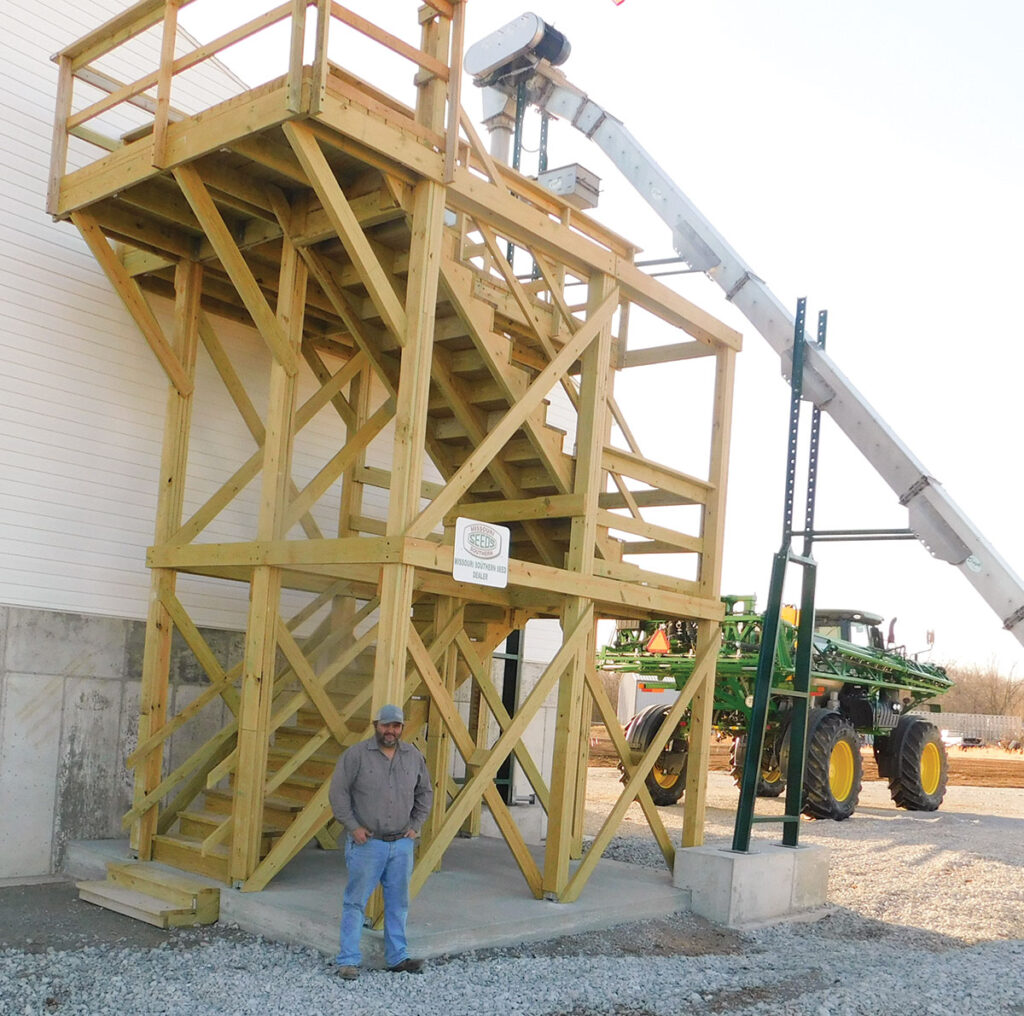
(332, 161)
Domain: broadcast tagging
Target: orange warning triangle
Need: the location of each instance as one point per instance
(658, 642)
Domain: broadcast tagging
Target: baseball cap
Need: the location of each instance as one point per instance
(390, 714)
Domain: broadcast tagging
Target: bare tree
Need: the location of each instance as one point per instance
(981, 688)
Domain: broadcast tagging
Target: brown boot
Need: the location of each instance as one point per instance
(407, 966)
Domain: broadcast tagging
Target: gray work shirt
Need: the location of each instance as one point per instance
(388, 796)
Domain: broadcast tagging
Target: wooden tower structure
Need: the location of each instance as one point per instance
(364, 241)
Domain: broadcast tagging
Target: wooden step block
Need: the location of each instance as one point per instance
(141, 906)
(198, 824)
(169, 886)
(277, 810)
(186, 854)
(319, 766)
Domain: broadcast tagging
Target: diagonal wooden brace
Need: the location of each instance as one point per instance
(131, 295)
(703, 667)
(476, 787)
(234, 264)
(512, 421)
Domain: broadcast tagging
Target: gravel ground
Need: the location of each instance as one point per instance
(926, 916)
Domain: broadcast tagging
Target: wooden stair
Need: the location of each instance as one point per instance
(150, 893)
(182, 846)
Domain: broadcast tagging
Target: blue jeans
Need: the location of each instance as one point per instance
(390, 864)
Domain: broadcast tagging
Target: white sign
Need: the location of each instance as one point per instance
(481, 553)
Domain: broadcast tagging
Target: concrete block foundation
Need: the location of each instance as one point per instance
(770, 883)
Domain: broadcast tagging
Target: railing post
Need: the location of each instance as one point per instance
(451, 144)
(163, 86)
(59, 149)
(295, 55)
(318, 84)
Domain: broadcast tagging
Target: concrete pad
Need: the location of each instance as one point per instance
(478, 899)
(770, 883)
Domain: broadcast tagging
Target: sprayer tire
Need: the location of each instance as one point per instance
(832, 767)
(772, 781)
(919, 765)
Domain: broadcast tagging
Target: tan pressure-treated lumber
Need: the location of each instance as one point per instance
(355, 244)
(157, 650)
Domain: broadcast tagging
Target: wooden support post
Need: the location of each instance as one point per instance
(318, 79)
(451, 143)
(583, 751)
(170, 498)
(439, 739)
(430, 99)
(410, 436)
(478, 731)
(709, 633)
(343, 609)
(590, 441)
(163, 85)
(261, 632)
(59, 151)
(295, 55)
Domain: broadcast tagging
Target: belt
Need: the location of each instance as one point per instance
(388, 837)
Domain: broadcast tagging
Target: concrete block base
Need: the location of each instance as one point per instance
(770, 883)
(530, 818)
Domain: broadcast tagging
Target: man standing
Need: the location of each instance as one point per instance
(381, 793)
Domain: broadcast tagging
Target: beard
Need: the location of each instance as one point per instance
(386, 740)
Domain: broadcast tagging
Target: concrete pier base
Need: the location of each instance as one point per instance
(531, 820)
(770, 883)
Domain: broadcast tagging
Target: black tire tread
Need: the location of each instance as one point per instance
(819, 802)
(737, 757)
(646, 726)
(905, 785)
(664, 796)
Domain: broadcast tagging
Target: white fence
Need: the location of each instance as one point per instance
(990, 729)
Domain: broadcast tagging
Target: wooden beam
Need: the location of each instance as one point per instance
(476, 429)
(59, 148)
(410, 432)
(481, 672)
(666, 354)
(133, 300)
(230, 257)
(355, 445)
(173, 468)
(512, 421)
(344, 220)
(293, 86)
(479, 784)
(656, 475)
(539, 579)
(451, 144)
(669, 538)
(261, 640)
(709, 577)
(392, 42)
(579, 610)
(703, 663)
(163, 87)
(321, 64)
(117, 30)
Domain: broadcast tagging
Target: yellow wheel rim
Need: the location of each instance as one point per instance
(662, 778)
(840, 771)
(931, 768)
(771, 775)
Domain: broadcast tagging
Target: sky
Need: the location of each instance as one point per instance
(867, 156)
